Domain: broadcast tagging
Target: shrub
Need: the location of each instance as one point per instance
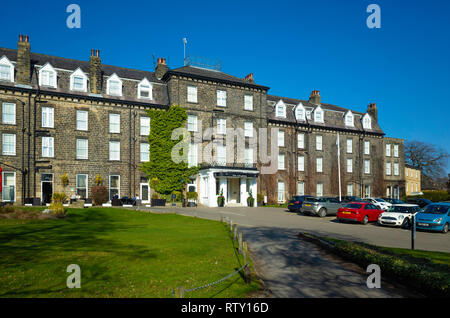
(99, 195)
(98, 180)
(435, 196)
(260, 199)
(192, 196)
(177, 196)
(64, 180)
(155, 196)
(221, 199)
(58, 209)
(59, 197)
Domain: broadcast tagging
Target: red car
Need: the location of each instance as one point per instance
(362, 212)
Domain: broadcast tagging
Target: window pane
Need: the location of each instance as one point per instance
(114, 150)
(5, 72)
(145, 126)
(82, 149)
(114, 123)
(82, 120)
(9, 144)
(145, 152)
(9, 186)
(9, 113)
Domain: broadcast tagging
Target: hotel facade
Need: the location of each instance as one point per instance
(63, 117)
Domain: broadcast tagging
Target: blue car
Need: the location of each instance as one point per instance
(295, 204)
(434, 217)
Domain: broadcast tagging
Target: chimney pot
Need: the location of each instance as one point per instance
(20, 38)
(26, 38)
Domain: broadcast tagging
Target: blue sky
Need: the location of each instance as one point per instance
(293, 47)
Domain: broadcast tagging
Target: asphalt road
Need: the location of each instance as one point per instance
(293, 268)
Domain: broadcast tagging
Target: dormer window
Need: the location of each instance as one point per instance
(349, 119)
(78, 81)
(114, 85)
(280, 109)
(300, 112)
(47, 76)
(367, 122)
(6, 70)
(145, 89)
(318, 115)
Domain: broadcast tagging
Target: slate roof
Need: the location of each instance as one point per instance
(334, 122)
(203, 73)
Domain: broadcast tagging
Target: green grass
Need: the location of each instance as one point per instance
(121, 253)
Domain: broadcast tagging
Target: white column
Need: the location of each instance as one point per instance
(223, 186)
(254, 187)
(243, 194)
(212, 191)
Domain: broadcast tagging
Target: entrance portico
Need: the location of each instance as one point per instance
(235, 185)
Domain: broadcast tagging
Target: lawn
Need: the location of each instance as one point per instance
(121, 253)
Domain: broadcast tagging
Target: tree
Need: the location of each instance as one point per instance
(166, 175)
(429, 159)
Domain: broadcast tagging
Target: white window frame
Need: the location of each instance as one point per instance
(143, 86)
(249, 157)
(301, 163)
(396, 169)
(248, 102)
(349, 119)
(48, 121)
(51, 81)
(113, 151)
(367, 166)
(302, 115)
(280, 138)
(349, 165)
(82, 117)
(319, 164)
(192, 92)
(367, 147)
(350, 189)
(319, 115)
(221, 155)
(349, 145)
(78, 73)
(4, 61)
(280, 192)
(48, 144)
(388, 150)
(144, 150)
(388, 169)
(193, 155)
(319, 142)
(109, 87)
(114, 123)
(280, 109)
(12, 153)
(221, 98)
(221, 126)
(192, 123)
(4, 186)
(301, 188)
(87, 184)
(248, 129)
(79, 141)
(319, 189)
(144, 128)
(109, 187)
(367, 121)
(301, 141)
(13, 122)
(281, 163)
(396, 151)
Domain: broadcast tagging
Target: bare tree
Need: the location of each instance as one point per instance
(428, 158)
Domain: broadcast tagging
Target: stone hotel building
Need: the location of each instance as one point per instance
(84, 118)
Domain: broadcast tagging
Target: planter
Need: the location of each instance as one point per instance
(191, 204)
(158, 202)
(250, 204)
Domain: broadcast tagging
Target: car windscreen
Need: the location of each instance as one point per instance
(380, 200)
(353, 206)
(313, 199)
(402, 209)
(436, 209)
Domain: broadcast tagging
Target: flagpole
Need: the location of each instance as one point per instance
(339, 166)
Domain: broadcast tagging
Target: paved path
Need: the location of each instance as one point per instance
(291, 267)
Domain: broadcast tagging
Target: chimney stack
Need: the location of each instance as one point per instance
(23, 67)
(161, 68)
(315, 97)
(95, 72)
(249, 78)
(373, 111)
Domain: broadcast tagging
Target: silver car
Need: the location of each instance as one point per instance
(321, 206)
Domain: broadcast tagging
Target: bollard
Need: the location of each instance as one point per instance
(179, 292)
(247, 275)
(245, 250)
(240, 243)
(235, 232)
(231, 226)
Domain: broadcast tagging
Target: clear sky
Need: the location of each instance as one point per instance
(293, 47)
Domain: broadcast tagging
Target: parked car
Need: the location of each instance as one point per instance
(399, 215)
(383, 205)
(347, 199)
(295, 204)
(362, 212)
(419, 201)
(393, 201)
(434, 217)
(321, 206)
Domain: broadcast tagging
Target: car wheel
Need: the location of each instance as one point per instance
(445, 229)
(406, 224)
(365, 220)
(322, 213)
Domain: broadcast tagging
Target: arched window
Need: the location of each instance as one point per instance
(114, 85)
(367, 121)
(48, 76)
(349, 119)
(280, 109)
(318, 115)
(78, 81)
(6, 70)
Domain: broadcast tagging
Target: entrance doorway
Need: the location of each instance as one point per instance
(145, 192)
(234, 193)
(46, 187)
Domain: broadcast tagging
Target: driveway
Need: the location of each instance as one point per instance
(291, 267)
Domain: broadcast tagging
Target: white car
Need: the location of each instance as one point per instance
(398, 215)
(383, 205)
